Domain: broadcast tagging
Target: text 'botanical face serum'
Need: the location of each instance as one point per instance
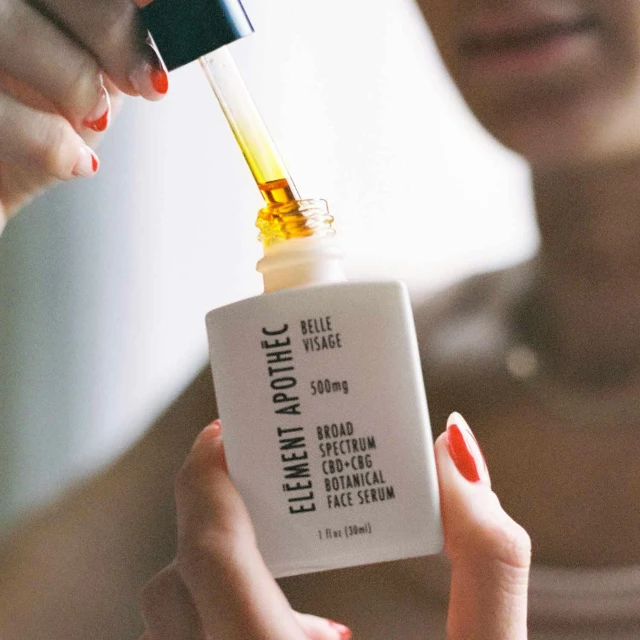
(318, 381)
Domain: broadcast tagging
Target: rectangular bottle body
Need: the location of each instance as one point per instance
(326, 428)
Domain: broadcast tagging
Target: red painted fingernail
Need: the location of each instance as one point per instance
(87, 164)
(465, 450)
(151, 79)
(345, 632)
(98, 119)
(160, 80)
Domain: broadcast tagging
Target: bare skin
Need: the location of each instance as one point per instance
(555, 443)
(558, 81)
(63, 69)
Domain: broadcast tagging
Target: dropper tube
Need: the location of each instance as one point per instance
(285, 216)
(314, 256)
(297, 235)
(249, 129)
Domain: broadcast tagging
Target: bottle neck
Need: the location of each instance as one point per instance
(289, 219)
(300, 247)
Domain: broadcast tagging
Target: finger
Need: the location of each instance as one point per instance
(44, 141)
(169, 613)
(57, 68)
(21, 183)
(111, 30)
(317, 628)
(490, 553)
(94, 137)
(168, 610)
(234, 593)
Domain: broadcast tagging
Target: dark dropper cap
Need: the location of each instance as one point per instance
(185, 30)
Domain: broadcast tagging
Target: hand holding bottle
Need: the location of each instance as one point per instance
(219, 587)
(63, 66)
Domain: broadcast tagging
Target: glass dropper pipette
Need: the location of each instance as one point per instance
(262, 156)
(285, 215)
(188, 30)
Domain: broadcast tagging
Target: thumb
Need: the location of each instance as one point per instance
(490, 553)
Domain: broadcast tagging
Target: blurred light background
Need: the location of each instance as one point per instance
(104, 284)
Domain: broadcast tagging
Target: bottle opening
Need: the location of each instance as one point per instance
(280, 221)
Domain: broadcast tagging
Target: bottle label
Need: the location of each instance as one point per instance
(326, 427)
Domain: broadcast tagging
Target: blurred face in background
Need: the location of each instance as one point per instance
(557, 81)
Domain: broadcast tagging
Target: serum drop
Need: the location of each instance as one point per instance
(318, 381)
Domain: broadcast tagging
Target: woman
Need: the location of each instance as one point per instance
(537, 357)
(543, 358)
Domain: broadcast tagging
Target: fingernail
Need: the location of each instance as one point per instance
(98, 119)
(465, 450)
(345, 632)
(211, 431)
(87, 164)
(151, 80)
(160, 81)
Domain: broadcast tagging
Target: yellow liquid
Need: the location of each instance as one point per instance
(277, 192)
(285, 216)
(294, 219)
(282, 218)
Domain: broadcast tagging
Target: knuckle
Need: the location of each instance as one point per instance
(157, 590)
(215, 539)
(186, 480)
(197, 474)
(519, 546)
(202, 514)
(220, 533)
(211, 554)
(214, 526)
(149, 597)
(508, 543)
(194, 550)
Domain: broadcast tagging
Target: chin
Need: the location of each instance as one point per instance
(545, 145)
(570, 118)
(556, 132)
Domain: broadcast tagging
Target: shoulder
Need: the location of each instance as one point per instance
(466, 335)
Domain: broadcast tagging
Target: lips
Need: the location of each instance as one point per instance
(504, 34)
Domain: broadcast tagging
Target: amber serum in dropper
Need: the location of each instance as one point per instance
(318, 381)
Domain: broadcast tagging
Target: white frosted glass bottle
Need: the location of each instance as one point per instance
(326, 430)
